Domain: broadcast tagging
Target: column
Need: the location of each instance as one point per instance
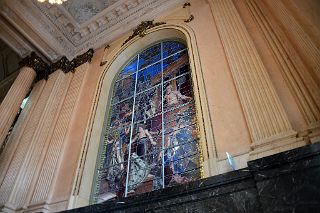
(28, 178)
(11, 103)
(305, 88)
(18, 91)
(38, 143)
(11, 150)
(269, 127)
(307, 47)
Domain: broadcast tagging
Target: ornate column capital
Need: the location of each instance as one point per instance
(81, 59)
(63, 64)
(66, 66)
(37, 64)
(43, 70)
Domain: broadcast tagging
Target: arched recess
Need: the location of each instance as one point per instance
(84, 177)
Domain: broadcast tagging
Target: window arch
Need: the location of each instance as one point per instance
(151, 134)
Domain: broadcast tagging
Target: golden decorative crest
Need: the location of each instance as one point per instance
(141, 29)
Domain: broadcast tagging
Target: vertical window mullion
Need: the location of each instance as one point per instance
(132, 126)
(162, 116)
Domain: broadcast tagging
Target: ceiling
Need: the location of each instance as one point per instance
(83, 10)
(73, 27)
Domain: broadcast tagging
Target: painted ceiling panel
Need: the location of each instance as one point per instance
(83, 10)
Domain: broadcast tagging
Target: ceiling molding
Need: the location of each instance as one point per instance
(12, 38)
(57, 32)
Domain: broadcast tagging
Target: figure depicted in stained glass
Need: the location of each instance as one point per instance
(149, 109)
(172, 96)
(142, 141)
(115, 166)
(140, 163)
(179, 147)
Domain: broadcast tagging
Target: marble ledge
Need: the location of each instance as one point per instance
(285, 157)
(285, 182)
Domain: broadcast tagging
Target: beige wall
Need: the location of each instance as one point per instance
(60, 115)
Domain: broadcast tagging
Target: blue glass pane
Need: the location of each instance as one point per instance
(149, 77)
(170, 48)
(129, 69)
(150, 56)
(182, 170)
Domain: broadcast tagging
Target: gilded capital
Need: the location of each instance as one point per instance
(35, 62)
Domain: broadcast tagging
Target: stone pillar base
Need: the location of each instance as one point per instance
(315, 133)
(9, 208)
(276, 144)
(51, 207)
(210, 167)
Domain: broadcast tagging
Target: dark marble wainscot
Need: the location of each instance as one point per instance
(289, 181)
(285, 182)
(231, 192)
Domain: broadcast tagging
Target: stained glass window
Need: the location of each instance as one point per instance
(151, 139)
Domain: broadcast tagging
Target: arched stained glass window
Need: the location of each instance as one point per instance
(151, 135)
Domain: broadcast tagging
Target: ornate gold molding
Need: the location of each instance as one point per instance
(141, 29)
(104, 62)
(191, 17)
(187, 4)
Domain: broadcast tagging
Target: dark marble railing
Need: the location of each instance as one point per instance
(285, 182)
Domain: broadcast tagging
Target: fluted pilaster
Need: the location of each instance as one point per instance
(267, 121)
(304, 87)
(39, 141)
(32, 154)
(11, 104)
(51, 161)
(303, 42)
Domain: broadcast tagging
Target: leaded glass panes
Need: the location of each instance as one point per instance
(151, 139)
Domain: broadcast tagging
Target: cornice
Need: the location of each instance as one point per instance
(18, 43)
(30, 24)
